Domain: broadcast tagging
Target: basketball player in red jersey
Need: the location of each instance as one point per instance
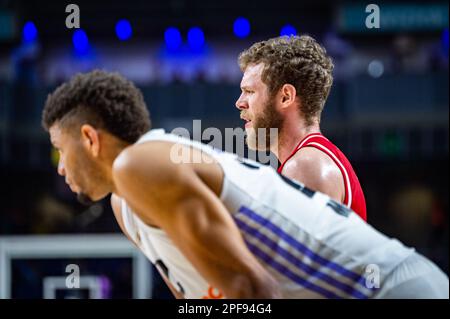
(285, 85)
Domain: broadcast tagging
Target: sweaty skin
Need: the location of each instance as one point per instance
(182, 200)
(316, 170)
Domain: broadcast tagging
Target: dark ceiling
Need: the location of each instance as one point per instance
(150, 18)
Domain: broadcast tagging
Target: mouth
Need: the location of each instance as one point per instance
(247, 122)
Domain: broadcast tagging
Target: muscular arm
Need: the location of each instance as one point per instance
(317, 171)
(174, 198)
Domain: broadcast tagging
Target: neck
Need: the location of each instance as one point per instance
(290, 135)
(114, 150)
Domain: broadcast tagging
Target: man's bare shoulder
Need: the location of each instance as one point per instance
(149, 157)
(148, 151)
(308, 158)
(316, 170)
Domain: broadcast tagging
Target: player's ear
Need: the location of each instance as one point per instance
(287, 95)
(90, 139)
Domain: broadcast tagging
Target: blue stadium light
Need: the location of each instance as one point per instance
(445, 39)
(288, 30)
(241, 27)
(80, 41)
(123, 30)
(29, 32)
(172, 36)
(196, 38)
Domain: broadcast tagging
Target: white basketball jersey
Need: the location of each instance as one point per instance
(313, 246)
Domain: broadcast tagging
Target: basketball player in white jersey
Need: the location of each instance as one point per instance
(221, 227)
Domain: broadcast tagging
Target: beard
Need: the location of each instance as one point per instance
(264, 131)
(89, 174)
(85, 199)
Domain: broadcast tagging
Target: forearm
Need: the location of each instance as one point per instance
(215, 246)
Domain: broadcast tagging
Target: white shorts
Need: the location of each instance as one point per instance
(415, 278)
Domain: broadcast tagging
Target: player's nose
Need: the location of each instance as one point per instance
(241, 104)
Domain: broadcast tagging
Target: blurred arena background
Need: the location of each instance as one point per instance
(388, 111)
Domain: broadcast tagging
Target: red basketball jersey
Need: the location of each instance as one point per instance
(354, 196)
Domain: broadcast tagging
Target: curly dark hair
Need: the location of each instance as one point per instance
(102, 99)
(296, 60)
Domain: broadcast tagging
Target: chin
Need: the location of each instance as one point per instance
(250, 140)
(85, 199)
(254, 143)
(88, 200)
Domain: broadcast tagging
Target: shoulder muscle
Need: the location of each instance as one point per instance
(317, 171)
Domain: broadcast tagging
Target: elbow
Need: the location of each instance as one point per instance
(250, 287)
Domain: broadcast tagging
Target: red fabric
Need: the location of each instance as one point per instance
(354, 196)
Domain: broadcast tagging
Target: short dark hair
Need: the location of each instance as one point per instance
(296, 60)
(102, 99)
